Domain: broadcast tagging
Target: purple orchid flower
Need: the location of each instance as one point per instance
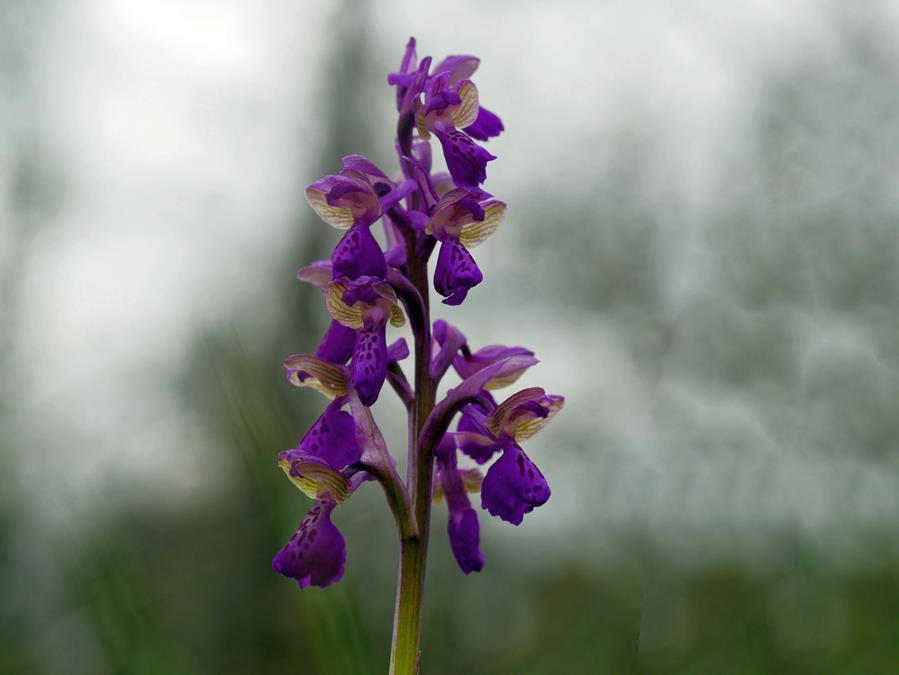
(366, 304)
(514, 485)
(363, 284)
(462, 219)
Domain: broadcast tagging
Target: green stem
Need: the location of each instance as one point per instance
(404, 654)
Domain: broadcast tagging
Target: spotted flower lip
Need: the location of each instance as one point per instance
(513, 486)
(316, 553)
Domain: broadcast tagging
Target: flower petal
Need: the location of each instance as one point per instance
(332, 438)
(486, 126)
(524, 413)
(397, 351)
(358, 254)
(463, 522)
(464, 536)
(348, 315)
(337, 344)
(459, 66)
(304, 370)
(450, 340)
(369, 365)
(456, 272)
(317, 273)
(465, 159)
(338, 217)
(316, 553)
(466, 112)
(312, 476)
(468, 365)
(477, 232)
(513, 486)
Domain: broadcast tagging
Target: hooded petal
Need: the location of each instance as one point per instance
(358, 254)
(486, 126)
(513, 486)
(459, 66)
(524, 414)
(344, 200)
(369, 366)
(337, 344)
(465, 159)
(456, 272)
(316, 553)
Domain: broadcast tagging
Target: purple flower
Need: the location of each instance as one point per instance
(366, 305)
(462, 219)
(514, 485)
(450, 106)
(316, 553)
(362, 283)
(472, 435)
(462, 527)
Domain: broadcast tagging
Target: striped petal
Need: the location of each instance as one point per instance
(304, 370)
(524, 414)
(476, 232)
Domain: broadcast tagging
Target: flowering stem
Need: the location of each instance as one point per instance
(414, 550)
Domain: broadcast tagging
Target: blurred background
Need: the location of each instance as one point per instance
(702, 247)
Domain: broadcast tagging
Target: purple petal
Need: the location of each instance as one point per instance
(333, 438)
(401, 191)
(316, 553)
(473, 425)
(358, 254)
(468, 365)
(486, 126)
(366, 167)
(369, 364)
(456, 272)
(397, 351)
(465, 159)
(464, 536)
(459, 66)
(462, 528)
(337, 344)
(513, 486)
(450, 340)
